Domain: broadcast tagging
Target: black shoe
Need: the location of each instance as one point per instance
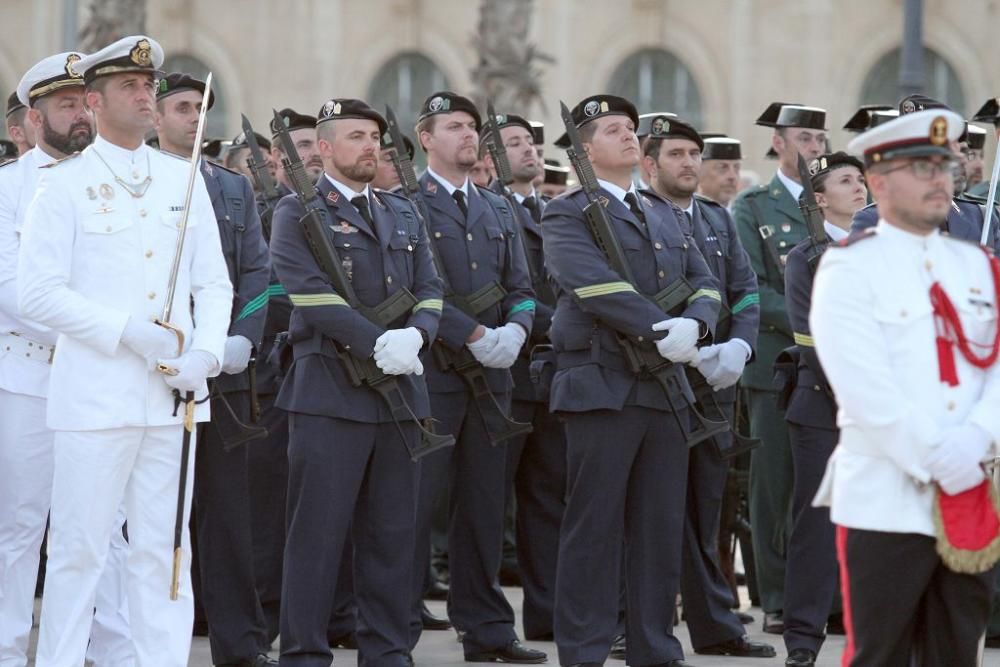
(200, 629)
(264, 660)
(618, 648)
(586, 664)
(774, 623)
(801, 657)
(543, 637)
(676, 663)
(348, 641)
(513, 652)
(432, 622)
(437, 591)
(745, 618)
(835, 625)
(741, 646)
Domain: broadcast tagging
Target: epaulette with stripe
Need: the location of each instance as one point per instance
(60, 160)
(854, 237)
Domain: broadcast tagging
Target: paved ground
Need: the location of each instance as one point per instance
(439, 649)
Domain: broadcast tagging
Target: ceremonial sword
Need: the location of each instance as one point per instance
(164, 322)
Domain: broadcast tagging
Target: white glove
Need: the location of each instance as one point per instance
(150, 341)
(511, 337)
(485, 343)
(681, 344)
(956, 463)
(397, 349)
(193, 368)
(722, 364)
(236, 355)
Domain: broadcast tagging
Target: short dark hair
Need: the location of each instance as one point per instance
(652, 147)
(16, 118)
(425, 124)
(97, 85)
(587, 131)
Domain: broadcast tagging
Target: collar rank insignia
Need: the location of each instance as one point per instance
(603, 200)
(432, 188)
(332, 196)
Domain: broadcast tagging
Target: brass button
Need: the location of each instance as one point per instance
(816, 387)
(782, 244)
(151, 295)
(951, 405)
(658, 246)
(388, 280)
(475, 266)
(902, 313)
(719, 253)
(640, 339)
(347, 245)
(661, 273)
(928, 264)
(685, 246)
(410, 248)
(108, 228)
(347, 347)
(149, 253)
(142, 213)
(468, 237)
(437, 235)
(135, 174)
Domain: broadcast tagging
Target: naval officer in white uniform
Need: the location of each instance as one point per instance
(96, 253)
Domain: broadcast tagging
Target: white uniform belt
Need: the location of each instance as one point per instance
(16, 343)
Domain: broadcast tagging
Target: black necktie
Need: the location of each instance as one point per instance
(460, 200)
(531, 204)
(633, 205)
(361, 203)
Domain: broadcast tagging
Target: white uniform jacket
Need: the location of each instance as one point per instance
(19, 372)
(92, 256)
(873, 326)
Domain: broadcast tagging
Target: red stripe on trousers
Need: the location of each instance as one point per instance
(845, 594)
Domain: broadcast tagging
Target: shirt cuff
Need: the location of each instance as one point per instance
(746, 346)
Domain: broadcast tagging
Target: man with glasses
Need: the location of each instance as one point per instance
(898, 316)
(770, 224)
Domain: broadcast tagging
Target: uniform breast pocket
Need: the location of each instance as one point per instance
(105, 224)
(355, 258)
(108, 234)
(401, 249)
(497, 249)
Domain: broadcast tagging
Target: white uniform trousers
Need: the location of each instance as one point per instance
(110, 638)
(25, 491)
(94, 472)
(25, 495)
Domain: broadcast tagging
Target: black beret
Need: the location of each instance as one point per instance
(506, 120)
(387, 143)
(665, 127)
(293, 121)
(13, 104)
(595, 106)
(721, 148)
(646, 120)
(988, 113)
(537, 132)
(344, 107)
(862, 118)
(820, 167)
(176, 82)
(240, 141)
(555, 173)
(446, 101)
(918, 102)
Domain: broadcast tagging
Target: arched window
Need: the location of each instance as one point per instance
(403, 83)
(655, 80)
(215, 125)
(941, 81)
